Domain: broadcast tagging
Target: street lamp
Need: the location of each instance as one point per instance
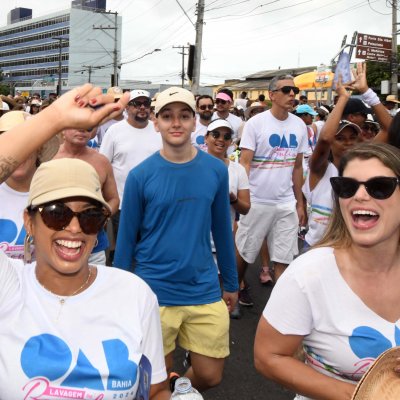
(144, 55)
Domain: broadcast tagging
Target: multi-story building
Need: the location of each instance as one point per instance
(78, 45)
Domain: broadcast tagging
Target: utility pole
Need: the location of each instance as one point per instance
(115, 51)
(183, 48)
(394, 78)
(90, 69)
(59, 86)
(197, 52)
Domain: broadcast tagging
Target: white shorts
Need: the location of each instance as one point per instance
(278, 223)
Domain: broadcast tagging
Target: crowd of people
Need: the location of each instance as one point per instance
(128, 224)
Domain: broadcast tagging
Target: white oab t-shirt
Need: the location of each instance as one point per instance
(238, 180)
(342, 336)
(126, 147)
(321, 203)
(12, 231)
(276, 145)
(89, 347)
(198, 136)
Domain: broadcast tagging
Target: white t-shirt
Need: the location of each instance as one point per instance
(89, 347)
(12, 231)
(102, 130)
(342, 335)
(321, 203)
(241, 102)
(275, 144)
(238, 180)
(198, 136)
(126, 147)
(319, 125)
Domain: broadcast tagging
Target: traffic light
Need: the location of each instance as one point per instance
(191, 62)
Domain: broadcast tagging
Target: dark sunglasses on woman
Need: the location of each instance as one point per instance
(217, 135)
(58, 216)
(380, 188)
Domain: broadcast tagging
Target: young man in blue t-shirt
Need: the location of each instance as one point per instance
(172, 201)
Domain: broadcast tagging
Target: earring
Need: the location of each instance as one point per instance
(28, 242)
(96, 243)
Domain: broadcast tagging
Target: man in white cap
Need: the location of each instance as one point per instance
(130, 141)
(172, 201)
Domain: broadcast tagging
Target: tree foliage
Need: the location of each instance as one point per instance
(380, 71)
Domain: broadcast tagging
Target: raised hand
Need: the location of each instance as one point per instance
(85, 107)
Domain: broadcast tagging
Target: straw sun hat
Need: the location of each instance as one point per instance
(380, 382)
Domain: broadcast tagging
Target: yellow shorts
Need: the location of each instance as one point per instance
(203, 329)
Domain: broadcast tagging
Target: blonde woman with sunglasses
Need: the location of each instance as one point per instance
(340, 300)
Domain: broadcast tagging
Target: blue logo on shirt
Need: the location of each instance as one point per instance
(9, 232)
(275, 140)
(366, 342)
(50, 357)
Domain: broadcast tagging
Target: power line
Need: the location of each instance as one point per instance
(179, 4)
(378, 12)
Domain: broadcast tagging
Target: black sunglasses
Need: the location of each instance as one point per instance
(138, 104)
(220, 101)
(204, 107)
(288, 89)
(381, 187)
(217, 135)
(58, 216)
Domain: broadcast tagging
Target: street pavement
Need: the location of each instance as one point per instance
(241, 380)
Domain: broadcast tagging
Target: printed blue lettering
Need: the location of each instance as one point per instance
(121, 369)
(8, 230)
(45, 355)
(275, 140)
(293, 141)
(83, 368)
(367, 342)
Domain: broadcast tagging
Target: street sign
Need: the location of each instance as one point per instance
(373, 53)
(374, 48)
(382, 42)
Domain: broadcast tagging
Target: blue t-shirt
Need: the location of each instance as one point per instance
(168, 211)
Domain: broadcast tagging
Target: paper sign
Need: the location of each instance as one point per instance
(143, 392)
(342, 70)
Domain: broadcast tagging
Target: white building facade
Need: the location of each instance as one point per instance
(88, 41)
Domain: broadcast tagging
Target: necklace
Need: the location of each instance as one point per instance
(63, 299)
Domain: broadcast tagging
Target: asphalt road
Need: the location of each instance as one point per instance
(241, 380)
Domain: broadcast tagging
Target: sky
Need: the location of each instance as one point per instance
(240, 37)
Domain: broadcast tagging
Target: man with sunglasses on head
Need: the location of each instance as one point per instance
(272, 147)
(204, 113)
(130, 141)
(224, 102)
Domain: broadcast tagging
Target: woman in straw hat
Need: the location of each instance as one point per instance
(340, 300)
(70, 329)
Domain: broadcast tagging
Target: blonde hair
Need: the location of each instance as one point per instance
(337, 235)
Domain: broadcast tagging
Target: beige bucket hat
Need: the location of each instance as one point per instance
(380, 382)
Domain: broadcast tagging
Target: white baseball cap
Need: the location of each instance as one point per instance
(138, 93)
(219, 123)
(175, 95)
